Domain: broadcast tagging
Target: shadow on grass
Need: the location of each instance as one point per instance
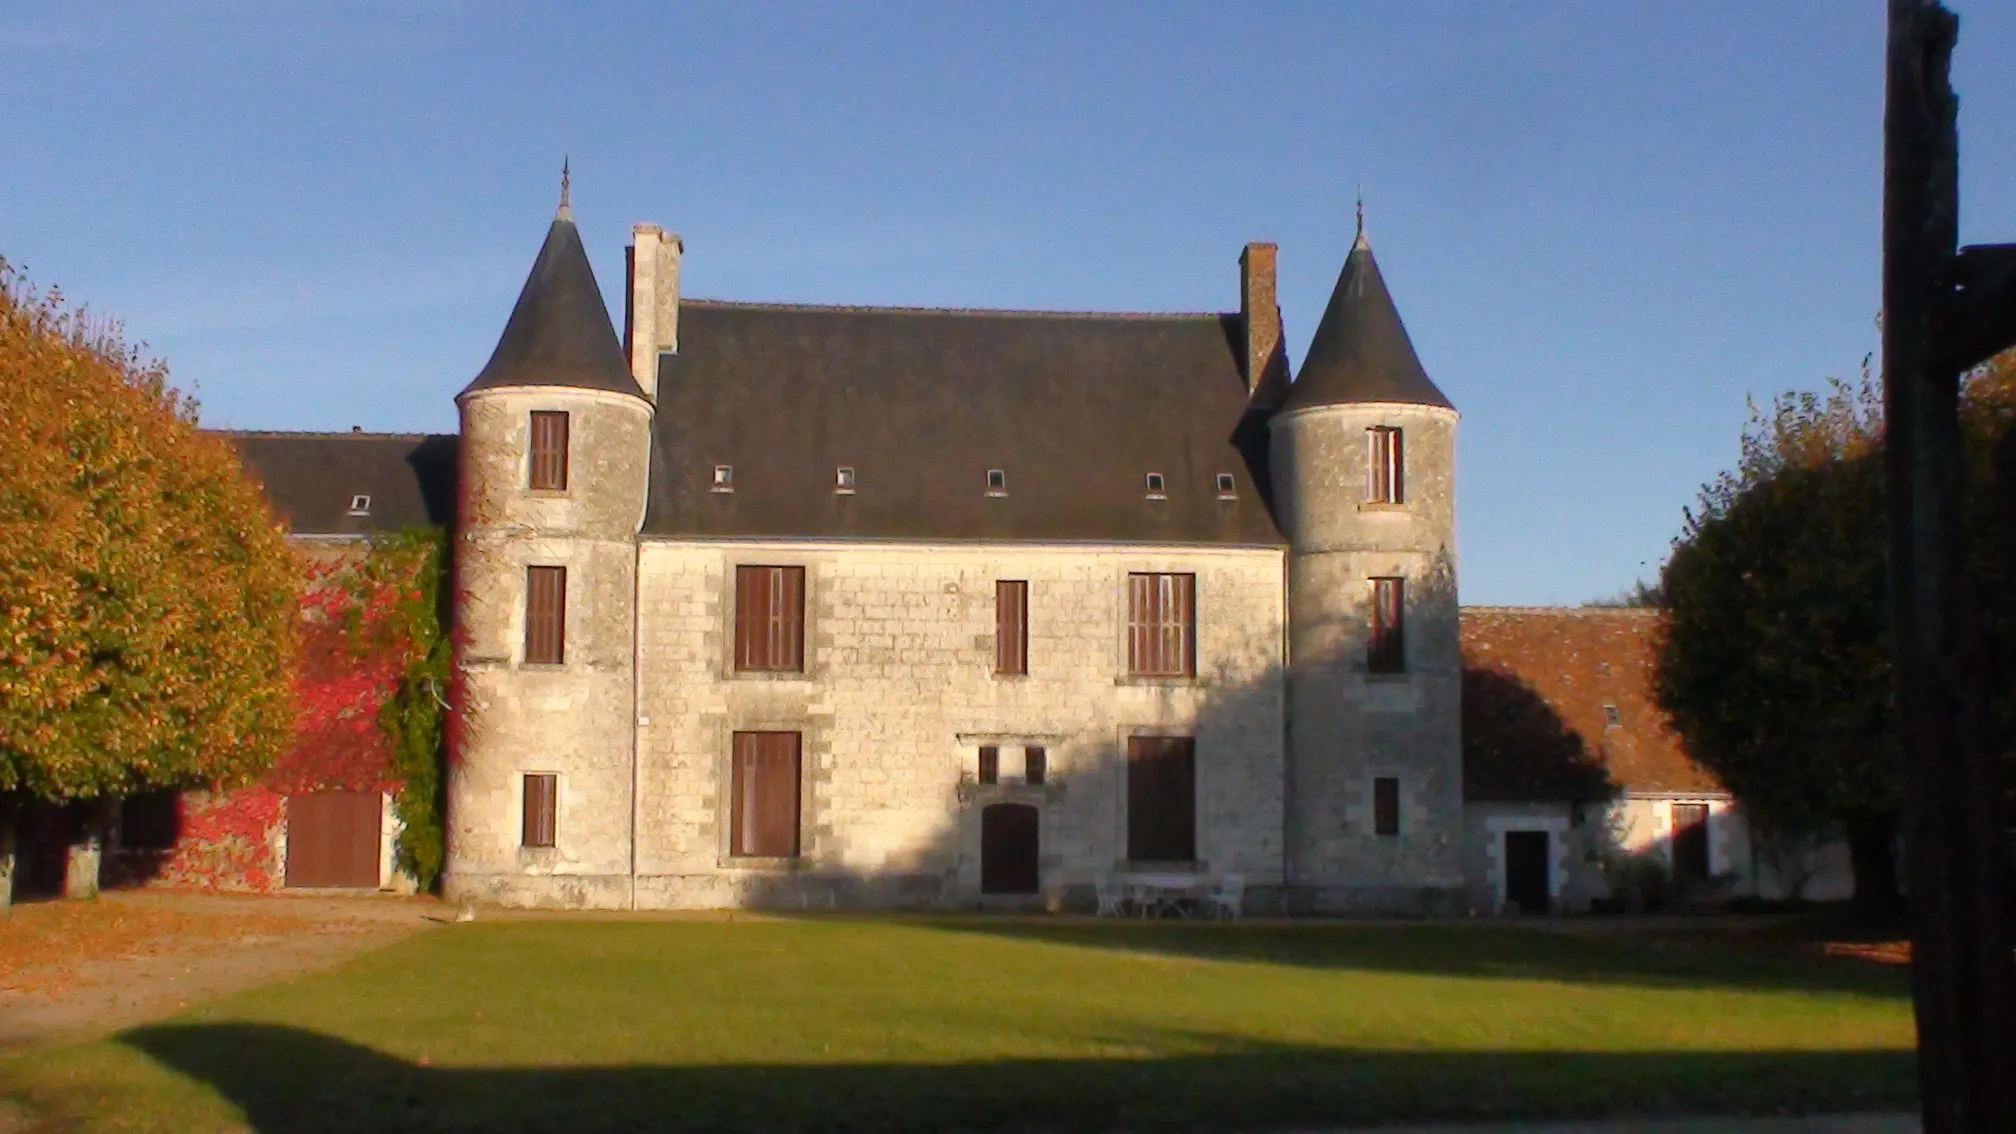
(1666, 958)
(286, 1079)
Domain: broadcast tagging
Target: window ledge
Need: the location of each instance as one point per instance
(1191, 682)
(1009, 677)
(1382, 506)
(757, 865)
(1388, 678)
(769, 675)
(538, 856)
(971, 791)
(547, 493)
(543, 667)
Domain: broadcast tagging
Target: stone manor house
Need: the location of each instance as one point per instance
(851, 606)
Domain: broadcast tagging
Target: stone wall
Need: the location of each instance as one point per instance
(899, 693)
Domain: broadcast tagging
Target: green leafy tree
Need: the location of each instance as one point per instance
(147, 598)
(1774, 659)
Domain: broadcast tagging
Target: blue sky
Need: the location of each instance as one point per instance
(1606, 224)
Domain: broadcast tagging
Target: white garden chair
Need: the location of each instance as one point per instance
(1226, 895)
(1107, 887)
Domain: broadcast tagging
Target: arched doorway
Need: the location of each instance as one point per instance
(1008, 849)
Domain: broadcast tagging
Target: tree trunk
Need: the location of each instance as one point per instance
(1872, 848)
(10, 818)
(86, 858)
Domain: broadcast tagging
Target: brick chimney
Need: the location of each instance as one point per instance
(1260, 314)
(651, 302)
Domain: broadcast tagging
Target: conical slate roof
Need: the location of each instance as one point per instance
(1361, 352)
(559, 334)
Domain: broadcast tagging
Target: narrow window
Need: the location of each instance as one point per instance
(1156, 486)
(843, 480)
(1011, 627)
(545, 615)
(1611, 718)
(1161, 799)
(360, 505)
(1226, 489)
(765, 790)
(1386, 805)
(1690, 842)
(1161, 630)
(542, 805)
(1035, 765)
(549, 450)
(990, 764)
(1384, 466)
(997, 482)
(1386, 645)
(724, 478)
(770, 618)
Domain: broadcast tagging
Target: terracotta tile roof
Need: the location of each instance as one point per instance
(1538, 685)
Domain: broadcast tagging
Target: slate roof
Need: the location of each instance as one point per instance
(1075, 409)
(1361, 352)
(559, 333)
(311, 479)
(1535, 683)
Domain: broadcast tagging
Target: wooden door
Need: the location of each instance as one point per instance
(1008, 849)
(333, 839)
(1690, 842)
(1527, 855)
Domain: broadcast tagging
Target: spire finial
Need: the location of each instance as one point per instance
(1360, 241)
(566, 211)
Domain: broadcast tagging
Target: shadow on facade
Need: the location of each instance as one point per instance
(1516, 747)
(288, 1079)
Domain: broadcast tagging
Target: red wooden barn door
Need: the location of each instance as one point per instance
(333, 839)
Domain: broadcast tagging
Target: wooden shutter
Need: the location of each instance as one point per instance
(1385, 465)
(1690, 842)
(1035, 765)
(1386, 805)
(545, 615)
(1161, 799)
(1011, 627)
(770, 618)
(765, 790)
(1386, 644)
(990, 764)
(549, 449)
(1161, 630)
(542, 807)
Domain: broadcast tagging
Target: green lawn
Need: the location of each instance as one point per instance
(864, 1024)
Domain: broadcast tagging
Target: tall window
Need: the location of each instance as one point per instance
(1384, 465)
(1386, 644)
(1161, 630)
(770, 618)
(1011, 627)
(549, 449)
(542, 806)
(1386, 805)
(990, 764)
(765, 788)
(1161, 799)
(545, 615)
(1035, 765)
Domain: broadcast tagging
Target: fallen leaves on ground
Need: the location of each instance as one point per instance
(46, 946)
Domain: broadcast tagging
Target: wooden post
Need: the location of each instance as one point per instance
(1962, 977)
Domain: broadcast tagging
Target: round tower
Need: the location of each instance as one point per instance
(1363, 464)
(555, 447)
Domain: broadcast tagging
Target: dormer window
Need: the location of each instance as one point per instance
(1226, 489)
(1385, 466)
(1156, 487)
(997, 482)
(843, 480)
(360, 505)
(724, 478)
(549, 450)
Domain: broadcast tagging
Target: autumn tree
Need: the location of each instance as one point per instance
(147, 598)
(1774, 660)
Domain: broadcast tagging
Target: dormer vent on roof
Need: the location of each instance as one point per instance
(1361, 352)
(559, 332)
